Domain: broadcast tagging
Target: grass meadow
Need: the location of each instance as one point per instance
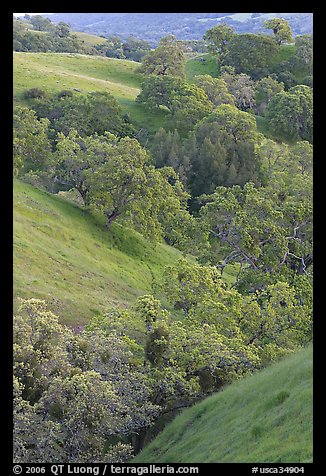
(263, 418)
(66, 256)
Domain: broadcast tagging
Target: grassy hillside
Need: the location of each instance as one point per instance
(204, 64)
(66, 256)
(89, 39)
(54, 72)
(286, 52)
(265, 418)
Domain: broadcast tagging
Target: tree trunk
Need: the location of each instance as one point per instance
(305, 263)
(138, 441)
(83, 194)
(111, 216)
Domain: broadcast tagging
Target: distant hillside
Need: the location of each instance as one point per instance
(265, 418)
(92, 40)
(153, 26)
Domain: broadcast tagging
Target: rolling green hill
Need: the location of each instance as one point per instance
(203, 64)
(53, 72)
(56, 71)
(264, 418)
(89, 39)
(66, 256)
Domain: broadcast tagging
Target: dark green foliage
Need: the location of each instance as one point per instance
(207, 380)
(285, 76)
(308, 81)
(167, 150)
(208, 165)
(221, 150)
(290, 113)
(95, 112)
(34, 93)
(167, 59)
(135, 49)
(251, 54)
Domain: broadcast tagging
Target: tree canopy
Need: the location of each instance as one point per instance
(126, 186)
(96, 112)
(166, 60)
(217, 39)
(281, 29)
(251, 54)
(31, 145)
(291, 113)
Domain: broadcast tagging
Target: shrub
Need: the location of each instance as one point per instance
(34, 93)
(65, 93)
(307, 81)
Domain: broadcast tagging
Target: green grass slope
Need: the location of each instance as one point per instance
(66, 256)
(54, 72)
(201, 64)
(264, 418)
(89, 39)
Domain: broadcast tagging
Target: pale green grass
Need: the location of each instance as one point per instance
(65, 255)
(195, 67)
(264, 418)
(286, 52)
(54, 72)
(92, 40)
